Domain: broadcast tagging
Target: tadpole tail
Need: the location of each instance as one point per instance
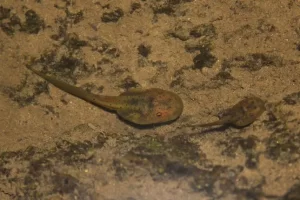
(109, 102)
(216, 123)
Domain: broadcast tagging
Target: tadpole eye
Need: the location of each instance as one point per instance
(158, 114)
(252, 106)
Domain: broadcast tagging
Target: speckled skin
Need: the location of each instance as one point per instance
(143, 107)
(241, 114)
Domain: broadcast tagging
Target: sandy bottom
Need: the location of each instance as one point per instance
(211, 53)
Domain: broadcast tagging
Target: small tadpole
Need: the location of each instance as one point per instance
(242, 114)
